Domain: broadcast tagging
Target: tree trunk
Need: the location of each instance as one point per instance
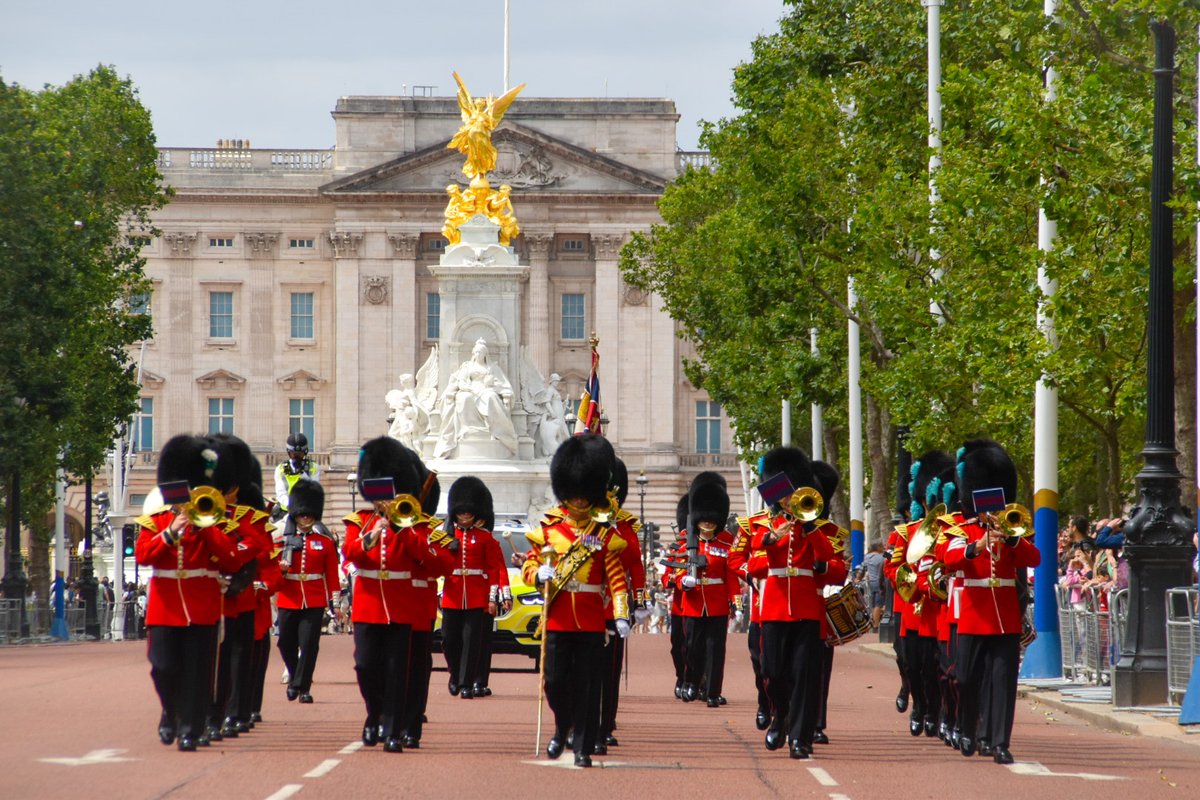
(839, 510)
(1185, 397)
(1112, 499)
(880, 436)
(39, 536)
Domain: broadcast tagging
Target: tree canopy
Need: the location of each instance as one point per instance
(822, 178)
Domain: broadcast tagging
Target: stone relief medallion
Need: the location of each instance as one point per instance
(375, 289)
(633, 296)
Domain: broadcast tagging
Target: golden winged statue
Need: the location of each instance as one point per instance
(480, 117)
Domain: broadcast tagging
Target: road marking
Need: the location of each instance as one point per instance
(92, 757)
(323, 769)
(287, 791)
(839, 797)
(1038, 770)
(823, 777)
(351, 748)
(568, 763)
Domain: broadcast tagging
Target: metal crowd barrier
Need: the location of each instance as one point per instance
(10, 620)
(1181, 640)
(1097, 655)
(1091, 634)
(1071, 641)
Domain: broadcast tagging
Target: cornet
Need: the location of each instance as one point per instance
(206, 507)
(404, 511)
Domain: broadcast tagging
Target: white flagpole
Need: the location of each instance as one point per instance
(506, 9)
(857, 544)
(818, 420)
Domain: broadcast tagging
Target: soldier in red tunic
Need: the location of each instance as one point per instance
(708, 588)
(739, 557)
(577, 561)
(678, 645)
(471, 591)
(989, 626)
(387, 549)
(184, 598)
(309, 563)
(267, 583)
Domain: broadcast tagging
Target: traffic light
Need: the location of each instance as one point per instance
(128, 535)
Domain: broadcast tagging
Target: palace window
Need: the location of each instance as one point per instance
(302, 315)
(708, 427)
(143, 426)
(220, 242)
(220, 415)
(220, 315)
(433, 315)
(302, 244)
(573, 318)
(301, 418)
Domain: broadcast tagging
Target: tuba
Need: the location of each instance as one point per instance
(205, 508)
(404, 511)
(925, 536)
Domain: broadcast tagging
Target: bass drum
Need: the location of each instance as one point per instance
(848, 614)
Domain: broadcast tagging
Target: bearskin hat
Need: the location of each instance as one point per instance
(620, 481)
(924, 470)
(983, 464)
(681, 514)
(188, 458)
(828, 480)
(233, 466)
(469, 495)
(793, 462)
(943, 489)
(583, 467)
(384, 457)
(306, 497)
(708, 500)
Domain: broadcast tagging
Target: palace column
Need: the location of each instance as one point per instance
(349, 298)
(261, 412)
(538, 303)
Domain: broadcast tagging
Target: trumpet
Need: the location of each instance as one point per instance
(1015, 520)
(805, 504)
(404, 511)
(205, 508)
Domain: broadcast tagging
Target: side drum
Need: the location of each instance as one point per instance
(848, 614)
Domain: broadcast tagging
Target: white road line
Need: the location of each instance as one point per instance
(351, 748)
(1037, 769)
(823, 777)
(324, 768)
(287, 791)
(839, 797)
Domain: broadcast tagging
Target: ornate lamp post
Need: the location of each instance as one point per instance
(87, 578)
(642, 480)
(1158, 536)
(352, 482)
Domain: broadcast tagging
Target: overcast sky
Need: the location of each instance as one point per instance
(272, 71)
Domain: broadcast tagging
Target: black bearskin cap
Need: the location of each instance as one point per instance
(946, 485)
(925, 469)
(583, 467)
(233, 466)
(620, 481)
(827, 482)
(983, 464)
(188, 458)
(252, 493)
(306, 497)
(708, 500)
(681, 514)
(384, 457)
(469, 495)
(793, 462)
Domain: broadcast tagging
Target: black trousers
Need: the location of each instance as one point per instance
(948, 677)
(920, 661)
(485, 651)
(826, 676)
(987, 673)
(462, 643)
(381, 665)
(792, 675)
(704, 643)
(239, 636)
(299, 643)
(181, 667)
(261, 659)
(754, 643)
(420, 668)
(898, 647)
(572, 667)
(610, 683)
(678, 648)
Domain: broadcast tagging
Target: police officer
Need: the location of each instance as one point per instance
(298, 465)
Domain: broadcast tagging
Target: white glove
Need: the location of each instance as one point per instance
(622, 628)
(688, 582)
(641, 615)
(545, 573)
(738, 616)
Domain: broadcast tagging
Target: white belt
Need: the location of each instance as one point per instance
(468, 572)
(304, 576)
(182, 574)
(420, 584)
(988, 582)
(711, 581)
(789, 572)
(384, 575)
(576, 586)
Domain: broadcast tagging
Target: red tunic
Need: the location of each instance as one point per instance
(426, 572)
(739, 559)
(472, 580)
(579, 606)
(989, 594)
(183, 587)
(311, 575)
(270, 581)
(384, 590)
(790, 591)
(626, 528)
(717, 584)
(898, 543)
(252, 541)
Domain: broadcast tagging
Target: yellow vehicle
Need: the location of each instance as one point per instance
(514, 633)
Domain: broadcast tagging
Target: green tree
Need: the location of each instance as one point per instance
(78, 177)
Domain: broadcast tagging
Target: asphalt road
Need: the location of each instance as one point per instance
(79, 720)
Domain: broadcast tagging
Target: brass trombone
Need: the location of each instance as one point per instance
(404, 511)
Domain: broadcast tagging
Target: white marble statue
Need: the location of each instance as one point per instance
(410, 421)
(550, 419)
(477, 401)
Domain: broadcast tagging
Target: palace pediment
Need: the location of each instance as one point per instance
(527, 160)
(220, 379)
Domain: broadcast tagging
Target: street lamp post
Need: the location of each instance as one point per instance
(87, 579)
(352, 481)
(642, 480)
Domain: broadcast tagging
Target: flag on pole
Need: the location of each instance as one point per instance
(588, 416)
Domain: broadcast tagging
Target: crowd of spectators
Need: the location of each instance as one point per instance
(1092, 557)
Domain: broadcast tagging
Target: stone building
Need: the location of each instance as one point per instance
(291, 288)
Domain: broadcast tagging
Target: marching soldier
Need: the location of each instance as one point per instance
(944, 489)
(739, 557)
(471, 591)
(708, 591)
(184, 599)
(989, 552)
(789, 553)
(267, 583)
(625, 527)
(575, 561)
(387, 542)
(827, 480)
(678, 644)
(309, 562)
